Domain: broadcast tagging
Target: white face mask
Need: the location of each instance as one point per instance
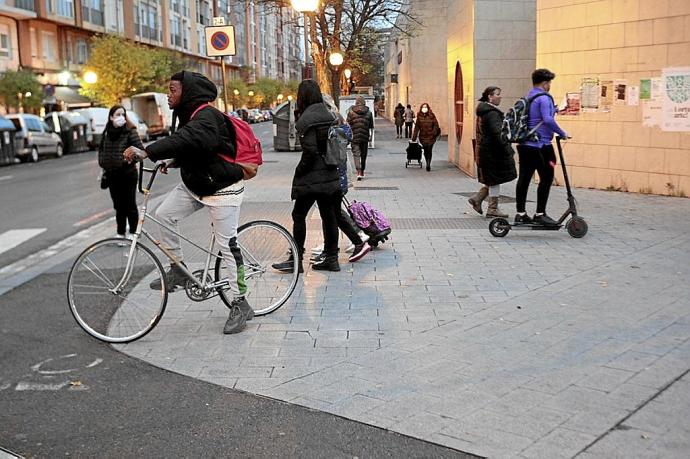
(424, 110)
(119, 121)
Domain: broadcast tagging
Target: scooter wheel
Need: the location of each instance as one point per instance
(577, 227)
(499, 227)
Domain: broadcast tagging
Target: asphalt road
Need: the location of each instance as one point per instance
(63, 393)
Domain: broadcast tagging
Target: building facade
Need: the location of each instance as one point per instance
(51, 37)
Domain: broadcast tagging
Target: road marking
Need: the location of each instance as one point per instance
(94, 217)
(37, 367)
(12, 238)
(6, 177)
(22, 386)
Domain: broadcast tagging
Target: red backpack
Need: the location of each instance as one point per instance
(249, 154)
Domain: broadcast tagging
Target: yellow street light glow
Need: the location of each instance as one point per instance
(305, 6)
(236, 92)
(250, 93)
(280, 97)
(348, 73)
(335, 59)
(90, 77)
(290, 98)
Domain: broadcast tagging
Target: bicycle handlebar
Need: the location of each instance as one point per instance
(153, 173)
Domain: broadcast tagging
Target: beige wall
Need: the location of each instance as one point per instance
(11, 63)
(617, 39)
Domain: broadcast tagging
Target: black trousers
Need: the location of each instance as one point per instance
(398, 129)
(543, 161)
(122, 185)
(329, 206)
(428, 150)
(347, 225)
(408, 129)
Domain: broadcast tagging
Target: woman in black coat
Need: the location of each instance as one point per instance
(494, 156)
(121, 175)
(314, 181)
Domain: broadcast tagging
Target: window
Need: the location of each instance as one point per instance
(65, 8)
(82, 51)
(146, 20)
(25, 4)
(92, 11)
(34, 43)
(47, 42)
(5, 42)
(32, 124)
(175, 36)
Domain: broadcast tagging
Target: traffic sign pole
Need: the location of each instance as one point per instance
(225, 85)
(220, 42)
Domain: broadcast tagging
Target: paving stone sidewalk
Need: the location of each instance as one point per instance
(532, 345)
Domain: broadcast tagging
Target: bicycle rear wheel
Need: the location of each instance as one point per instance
(263, 243)
(107, 302)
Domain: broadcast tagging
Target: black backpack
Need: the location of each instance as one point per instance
(515, 127)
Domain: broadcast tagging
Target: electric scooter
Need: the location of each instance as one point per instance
(576, 226)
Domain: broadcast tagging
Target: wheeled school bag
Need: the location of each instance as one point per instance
(414, 153)
(370, 220)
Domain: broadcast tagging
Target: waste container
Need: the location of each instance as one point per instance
(72, 129)
(284, 133)
(7, 151)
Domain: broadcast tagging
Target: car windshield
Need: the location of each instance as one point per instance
(16, 123)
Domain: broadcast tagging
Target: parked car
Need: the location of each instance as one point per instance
(72, 129)
(268, 116)
(34, 138)
(153, 109)
(255, 116)
(142, 128)
(98, 118)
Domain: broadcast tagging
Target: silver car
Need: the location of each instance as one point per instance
(34, 138)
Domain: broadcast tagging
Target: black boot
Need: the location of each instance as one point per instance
(288, 265)
(327, 263)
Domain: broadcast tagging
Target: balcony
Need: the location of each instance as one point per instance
(29, 5)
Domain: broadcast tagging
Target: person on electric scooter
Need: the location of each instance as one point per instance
(538, 155)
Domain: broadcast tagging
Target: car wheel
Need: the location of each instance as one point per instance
(59, 151)
(33, 156)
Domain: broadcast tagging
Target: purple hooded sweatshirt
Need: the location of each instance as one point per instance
(542, 108)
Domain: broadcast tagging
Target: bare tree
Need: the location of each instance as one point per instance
(344, 25)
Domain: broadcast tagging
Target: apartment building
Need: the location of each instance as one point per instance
(51, 37)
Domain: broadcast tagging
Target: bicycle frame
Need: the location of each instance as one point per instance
(141, 231)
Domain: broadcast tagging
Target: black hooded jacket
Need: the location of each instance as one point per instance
(495, 162)
(196, 142)
(361, 121)
(312, 175)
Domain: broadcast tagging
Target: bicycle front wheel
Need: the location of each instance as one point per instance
(116, 291)
(263, 243)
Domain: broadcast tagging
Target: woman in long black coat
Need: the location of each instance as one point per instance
(494, 156)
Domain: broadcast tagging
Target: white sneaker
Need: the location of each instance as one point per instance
(317, 250)
(360, 177)
(350, 248)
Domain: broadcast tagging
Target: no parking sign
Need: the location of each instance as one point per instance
(220, 41)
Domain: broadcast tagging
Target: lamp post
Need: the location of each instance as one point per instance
(306, 7)
(336, 60)
(348, 74)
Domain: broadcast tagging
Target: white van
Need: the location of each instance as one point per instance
(153, 109)
(98, 118)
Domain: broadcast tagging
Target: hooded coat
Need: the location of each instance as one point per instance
(361, 120)
(399, 115)
(196, 143)
(495, 162)
(312, 175)
(426, 128)
(113, 143)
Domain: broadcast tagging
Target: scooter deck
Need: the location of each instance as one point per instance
(535, 226)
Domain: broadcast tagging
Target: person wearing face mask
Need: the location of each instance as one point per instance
(494, 156)
(427, 131)
(119, 134)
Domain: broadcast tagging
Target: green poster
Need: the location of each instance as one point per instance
(645, 89)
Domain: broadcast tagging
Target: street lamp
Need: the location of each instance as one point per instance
(290, 98)
(90, 77)
(348, 74)
(306, 7)
(336, 59)
(236, 92)
(280, 98)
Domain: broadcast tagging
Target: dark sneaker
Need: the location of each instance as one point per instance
(244, 307)
(522, 219)
(174, 277)
(544, 220)
(359, 252)
(317, 258)
(287, 266)
(329, 263)
(236, 320)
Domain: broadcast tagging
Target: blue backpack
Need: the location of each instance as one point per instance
(515, 127)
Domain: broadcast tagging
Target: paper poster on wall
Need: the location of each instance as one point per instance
(633, 95)
(606, 99)
(572, 104)
(620, 89)
(651, 113)
(645, 89)
(676, 99)
(657, 92)
(590, 91)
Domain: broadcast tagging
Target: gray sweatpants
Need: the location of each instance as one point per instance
(178, 205)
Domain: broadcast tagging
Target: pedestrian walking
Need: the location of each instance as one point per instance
(314, 181)
(120, 176)
(427, 131)
(538, 154)
(208, 181)
(399, 116)
(494, 155)
(361, 121)
(409, 119)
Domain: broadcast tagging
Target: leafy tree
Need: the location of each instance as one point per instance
(23, 82)
(122, 68)
(164, 63)
(266, 91)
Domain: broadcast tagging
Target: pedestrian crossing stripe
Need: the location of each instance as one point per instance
(12, 238)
